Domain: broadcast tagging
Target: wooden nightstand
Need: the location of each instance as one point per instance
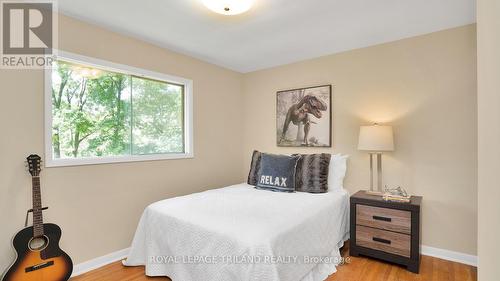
(385, 230)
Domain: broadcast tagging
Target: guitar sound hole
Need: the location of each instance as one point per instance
(38, 243)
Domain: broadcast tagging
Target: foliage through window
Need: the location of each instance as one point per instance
(97, 113)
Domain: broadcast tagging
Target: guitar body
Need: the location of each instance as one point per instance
(41, 260)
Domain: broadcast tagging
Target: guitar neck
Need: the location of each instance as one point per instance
(37, 207)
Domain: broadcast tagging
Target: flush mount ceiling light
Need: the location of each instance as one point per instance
(228, 7)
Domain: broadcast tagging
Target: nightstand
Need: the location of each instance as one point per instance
(386, 230)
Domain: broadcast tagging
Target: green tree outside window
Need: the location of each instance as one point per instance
(99, 113)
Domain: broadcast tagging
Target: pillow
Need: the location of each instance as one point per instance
(337, 171)
(277, 172)
(311, 174)
(254, 168)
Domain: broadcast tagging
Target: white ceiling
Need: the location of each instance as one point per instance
(274, 32)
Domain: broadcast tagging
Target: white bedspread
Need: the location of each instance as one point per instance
(241, 233)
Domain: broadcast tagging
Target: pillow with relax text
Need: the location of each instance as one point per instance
(277, 172)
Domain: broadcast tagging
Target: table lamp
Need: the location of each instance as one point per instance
(376, 139)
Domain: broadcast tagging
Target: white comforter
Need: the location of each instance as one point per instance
(241, 233)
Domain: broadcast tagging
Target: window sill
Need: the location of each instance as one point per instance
(68, 162)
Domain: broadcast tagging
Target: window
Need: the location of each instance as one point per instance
(101, 112)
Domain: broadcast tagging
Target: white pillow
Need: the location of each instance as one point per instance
(337, 171)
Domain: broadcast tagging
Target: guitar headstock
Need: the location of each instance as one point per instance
(34, 164)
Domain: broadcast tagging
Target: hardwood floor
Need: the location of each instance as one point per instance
(359, 269)
(431, 269)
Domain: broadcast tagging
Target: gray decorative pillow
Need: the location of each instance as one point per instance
(277, 172)
(254, 168)
(311, 174)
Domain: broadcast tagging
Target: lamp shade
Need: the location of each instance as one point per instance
(376, 138)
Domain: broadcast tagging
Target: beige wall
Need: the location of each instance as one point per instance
(426, 88)
(488, 31)
(98, 206)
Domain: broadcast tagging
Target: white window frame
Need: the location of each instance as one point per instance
(128, 70)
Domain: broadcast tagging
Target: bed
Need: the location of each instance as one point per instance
(242, 233)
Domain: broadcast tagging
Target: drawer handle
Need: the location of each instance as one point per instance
(385, 241)
(382, 218)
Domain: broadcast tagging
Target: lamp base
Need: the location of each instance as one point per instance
(378, 191)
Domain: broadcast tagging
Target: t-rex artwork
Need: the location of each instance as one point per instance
(299, 113)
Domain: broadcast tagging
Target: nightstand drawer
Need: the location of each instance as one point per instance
(382, 240)
(383, 218)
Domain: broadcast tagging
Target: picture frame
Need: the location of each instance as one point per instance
(304, 117)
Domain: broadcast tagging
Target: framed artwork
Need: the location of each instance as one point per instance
(304, 117)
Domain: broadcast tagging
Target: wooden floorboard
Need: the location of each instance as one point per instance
(358, 269)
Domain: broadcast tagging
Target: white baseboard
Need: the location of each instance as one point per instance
(121, 254)
(92, 264)
(449, 255)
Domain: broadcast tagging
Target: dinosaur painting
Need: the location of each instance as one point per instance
(297, 107)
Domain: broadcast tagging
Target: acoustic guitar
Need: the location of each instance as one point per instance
(39, 257)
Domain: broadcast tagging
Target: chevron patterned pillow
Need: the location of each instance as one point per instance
(311, 174)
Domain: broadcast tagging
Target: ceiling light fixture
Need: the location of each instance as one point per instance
(229, 7)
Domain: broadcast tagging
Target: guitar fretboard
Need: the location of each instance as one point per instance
(37, 208)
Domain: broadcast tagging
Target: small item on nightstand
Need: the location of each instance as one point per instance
(397, 194)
